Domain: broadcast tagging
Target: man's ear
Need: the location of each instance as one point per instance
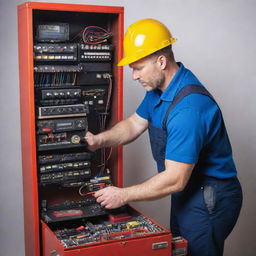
(162, 61)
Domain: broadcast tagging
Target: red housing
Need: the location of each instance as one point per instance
(39, 238)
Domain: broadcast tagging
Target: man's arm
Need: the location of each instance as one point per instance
(122, 133)
(173, 179)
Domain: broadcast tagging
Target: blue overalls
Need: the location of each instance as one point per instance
(206, 211)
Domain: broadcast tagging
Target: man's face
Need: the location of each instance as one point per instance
(148, 73)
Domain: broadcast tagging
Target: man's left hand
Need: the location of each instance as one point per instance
(111, 197)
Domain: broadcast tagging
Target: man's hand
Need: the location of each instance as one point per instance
(111, 197)
(93, 141)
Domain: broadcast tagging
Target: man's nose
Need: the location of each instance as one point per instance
(135, 75)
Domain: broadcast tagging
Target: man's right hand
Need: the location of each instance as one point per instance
(93, 141)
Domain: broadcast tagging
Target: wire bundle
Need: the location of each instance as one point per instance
(95, 35)
(102, 120)
(55, 79)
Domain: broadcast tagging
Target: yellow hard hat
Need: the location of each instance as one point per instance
(144, 37)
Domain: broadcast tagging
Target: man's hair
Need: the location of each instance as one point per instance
(167, 52)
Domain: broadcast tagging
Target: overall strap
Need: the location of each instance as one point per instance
(185, 91)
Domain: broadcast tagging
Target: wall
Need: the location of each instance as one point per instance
(216, 41)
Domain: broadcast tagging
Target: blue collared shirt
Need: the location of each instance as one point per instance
(195, 127)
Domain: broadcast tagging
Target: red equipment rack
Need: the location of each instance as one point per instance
(39, 238)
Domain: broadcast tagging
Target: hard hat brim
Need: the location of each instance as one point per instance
(130, 59)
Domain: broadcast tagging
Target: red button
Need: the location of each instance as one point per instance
(46, 129)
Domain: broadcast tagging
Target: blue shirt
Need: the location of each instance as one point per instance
(195, 127)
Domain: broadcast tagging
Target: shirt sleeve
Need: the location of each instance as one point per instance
(143, 109)
(186, 136)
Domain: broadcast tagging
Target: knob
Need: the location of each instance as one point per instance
(75, 139)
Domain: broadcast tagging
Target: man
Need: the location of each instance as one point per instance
(188, 139)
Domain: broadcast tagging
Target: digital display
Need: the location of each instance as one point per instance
(53, 32)
(55, 28)
(64, 124)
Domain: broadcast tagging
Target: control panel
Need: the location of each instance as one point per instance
(73, 93)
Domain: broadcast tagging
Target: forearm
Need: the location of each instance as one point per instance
(113, 197)
(154, 188)
(122, 133)
(170, 181)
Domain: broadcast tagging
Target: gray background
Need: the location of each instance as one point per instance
(216, 41)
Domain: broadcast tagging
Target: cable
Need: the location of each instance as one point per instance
(84, 194)
(102, 121)
(95, 35)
